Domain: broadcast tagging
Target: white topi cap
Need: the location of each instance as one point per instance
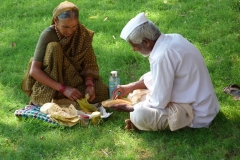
(132, 24)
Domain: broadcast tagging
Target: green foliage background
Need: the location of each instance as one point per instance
(213, 26)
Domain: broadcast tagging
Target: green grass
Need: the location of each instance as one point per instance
(212, 25)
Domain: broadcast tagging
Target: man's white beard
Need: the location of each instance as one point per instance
(145, 55)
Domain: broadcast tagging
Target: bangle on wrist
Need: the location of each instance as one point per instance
(88, 78)
(89, 85)
(62, 88)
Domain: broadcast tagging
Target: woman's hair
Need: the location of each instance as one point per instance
(146, 30)
(68, 14)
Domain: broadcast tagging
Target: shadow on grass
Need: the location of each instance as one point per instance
(219, 48)
(44, 140)
(220, 140)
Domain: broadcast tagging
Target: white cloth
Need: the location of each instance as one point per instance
(179, 115)
(179, 75)
(175, 117)
(149, 119)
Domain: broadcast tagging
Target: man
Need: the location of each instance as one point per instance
(181, 91)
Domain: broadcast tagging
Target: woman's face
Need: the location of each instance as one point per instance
(67, 26)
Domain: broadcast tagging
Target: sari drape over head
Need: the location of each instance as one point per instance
(68, 62)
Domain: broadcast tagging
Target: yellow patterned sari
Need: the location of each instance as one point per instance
(67, 62)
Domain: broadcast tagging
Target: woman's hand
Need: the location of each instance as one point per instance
(72, 93)
(91, 92)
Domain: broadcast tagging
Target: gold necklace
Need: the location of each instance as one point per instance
(59, 36)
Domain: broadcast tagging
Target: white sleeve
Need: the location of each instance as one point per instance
(147, 79)
(162, 83)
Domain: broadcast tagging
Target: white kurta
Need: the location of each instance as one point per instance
(179, 74)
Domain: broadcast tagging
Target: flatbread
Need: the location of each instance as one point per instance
(67, 116)
(111, 102)
(71, 110)
(64, 117)
(64, 102)
(49, 108)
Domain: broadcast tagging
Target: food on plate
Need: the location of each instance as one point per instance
(111, 102)
(85, 106)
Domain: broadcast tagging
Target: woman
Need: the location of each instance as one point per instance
(64, 64)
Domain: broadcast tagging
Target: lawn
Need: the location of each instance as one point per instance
(211, 25)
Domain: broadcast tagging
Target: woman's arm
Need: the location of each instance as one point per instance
(37, 73)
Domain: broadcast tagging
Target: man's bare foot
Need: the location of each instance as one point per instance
(129, 125)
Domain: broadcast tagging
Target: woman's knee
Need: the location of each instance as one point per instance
(53, 50)
(53, 45)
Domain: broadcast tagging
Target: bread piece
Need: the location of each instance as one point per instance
(111, 102)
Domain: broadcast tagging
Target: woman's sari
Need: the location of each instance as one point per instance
(67, 62)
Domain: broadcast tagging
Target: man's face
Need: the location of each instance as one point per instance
(141, 48)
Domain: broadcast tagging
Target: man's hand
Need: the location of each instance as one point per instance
(124, 90)
(122, 108)
(121, 91)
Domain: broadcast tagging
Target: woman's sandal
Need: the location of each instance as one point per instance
(233, 90)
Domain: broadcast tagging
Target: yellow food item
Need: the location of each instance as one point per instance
(64, 117)
(85, 106)
(96, 117)
(111, 102)
(65, 121)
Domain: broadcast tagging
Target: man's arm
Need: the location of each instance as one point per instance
(124, 90)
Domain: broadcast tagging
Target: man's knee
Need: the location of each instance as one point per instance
(139, 111)
(139, 118)
(149, 119)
